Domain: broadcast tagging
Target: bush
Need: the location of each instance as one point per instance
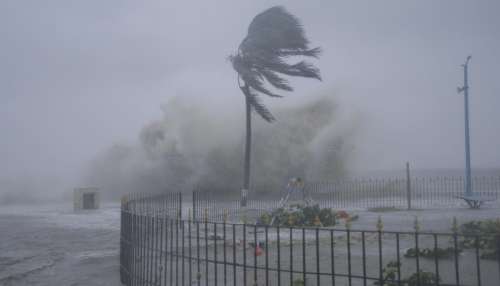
(432, 253)
(492, 255)
(426, 278)
(264, 219)
(486, 232)
(300, 215)
(389, 273)
(327, 217)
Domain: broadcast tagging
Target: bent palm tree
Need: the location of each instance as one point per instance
(273, 36)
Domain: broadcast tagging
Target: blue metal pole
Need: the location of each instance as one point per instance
(468, 184)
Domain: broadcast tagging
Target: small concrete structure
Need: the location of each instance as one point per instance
(86, 198)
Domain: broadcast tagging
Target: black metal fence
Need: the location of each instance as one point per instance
(158, 247)
(417, 192)
(423, 192)
(214, 207)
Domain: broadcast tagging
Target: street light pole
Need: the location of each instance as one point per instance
(465, 89)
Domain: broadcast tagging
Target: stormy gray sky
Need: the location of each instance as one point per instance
(78, 76)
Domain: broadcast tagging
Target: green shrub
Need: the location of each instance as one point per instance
(389, 274)
(486, 232)
(390, 271)
(300, 215)
(327, 217)
(432, 253)
(265, 219)
(426, 278)
(492, 255)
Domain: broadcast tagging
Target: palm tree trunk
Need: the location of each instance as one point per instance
(248, 142)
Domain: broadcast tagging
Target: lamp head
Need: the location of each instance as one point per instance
(468, 59)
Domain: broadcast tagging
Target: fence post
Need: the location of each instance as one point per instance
(408, 185)
(498, 252)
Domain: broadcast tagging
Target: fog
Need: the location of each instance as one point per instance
(87, 86)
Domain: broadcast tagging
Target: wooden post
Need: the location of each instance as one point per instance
(408, 185)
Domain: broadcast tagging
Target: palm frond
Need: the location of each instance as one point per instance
(273, 36)
(254, 78)
(275, 29)
(277, 65)
(257, 105)
(315, 53)
(275, 80)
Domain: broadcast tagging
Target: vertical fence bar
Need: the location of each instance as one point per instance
(143, 249)
(190, 267)
(332, 256)
(215, 253)
(455, 248)
(138, 247)
(171, 252)
(318, 280)
(363, 253)
(349, 270)
(122, 246)
(380, 261)
(291, 256)
(244, 253)
(176, 250)
(266, 230)
(156, 249)
(436, 259)
(135, 236)
(133, 245)
(142, 266)
(498, 254)
(206, 247)
(161, 247)
(417, 257)
(166, 250)
(224, 246)
(279, 256)
(198, 270)
(304, 271)
(398, 254)
(148, 248)
(152, 248)
(131, 249)
(257, 246)
(183, 259)
(234, 254)
(478, 261)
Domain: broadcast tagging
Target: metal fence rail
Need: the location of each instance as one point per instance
(415, 192)
(419, 192)
(206, 204)
(160, 248)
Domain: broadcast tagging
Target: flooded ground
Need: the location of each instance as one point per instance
(52, 245)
